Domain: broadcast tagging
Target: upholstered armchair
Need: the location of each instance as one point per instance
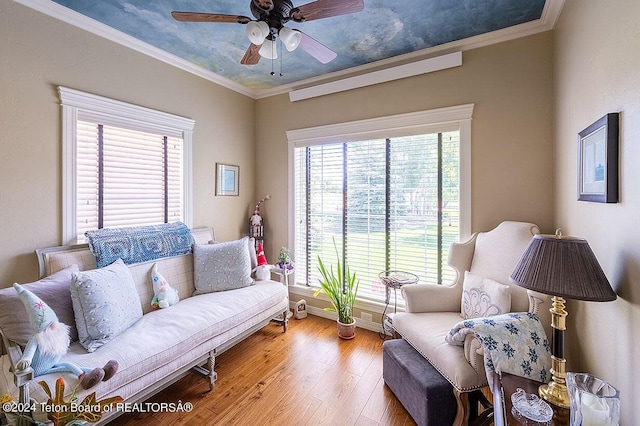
(432, 310)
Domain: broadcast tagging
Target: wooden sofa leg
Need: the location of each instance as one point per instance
(212, 375)
(208, 369)
(462, 415)
(285, 322)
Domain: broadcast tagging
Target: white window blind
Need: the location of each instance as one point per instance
(126, 177)
(124, 165)
(389, 204)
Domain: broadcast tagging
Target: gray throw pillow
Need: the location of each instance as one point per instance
(105, 303)
(53, 290)
(252, 251)
(221, 266)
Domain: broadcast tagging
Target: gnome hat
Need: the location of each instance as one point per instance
(40, 314)
(262, 259)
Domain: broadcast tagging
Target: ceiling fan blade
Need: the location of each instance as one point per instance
(325, 8)
(316, 49)
(251, 56)
(209, 17)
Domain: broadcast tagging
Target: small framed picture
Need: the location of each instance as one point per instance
(598, 161)
(227, 179)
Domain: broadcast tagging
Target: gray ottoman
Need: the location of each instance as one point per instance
(423, 392)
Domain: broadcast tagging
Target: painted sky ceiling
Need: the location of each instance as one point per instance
(383, 30)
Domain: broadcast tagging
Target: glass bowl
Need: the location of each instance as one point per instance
(531, 407)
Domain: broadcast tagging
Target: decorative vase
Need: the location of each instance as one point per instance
(346, 331)
(594, 402)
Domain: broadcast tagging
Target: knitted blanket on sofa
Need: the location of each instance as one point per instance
(514, 343)
(140, 243)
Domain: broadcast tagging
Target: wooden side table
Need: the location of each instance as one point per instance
(509, 384)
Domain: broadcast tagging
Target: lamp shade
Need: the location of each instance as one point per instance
(562, 266)
(257, 31)
(268, 49)
(290, 38)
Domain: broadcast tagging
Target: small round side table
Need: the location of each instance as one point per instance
(393, 280)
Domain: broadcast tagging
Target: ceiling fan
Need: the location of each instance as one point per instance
(269, 24)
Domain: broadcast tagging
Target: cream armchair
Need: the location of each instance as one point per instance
(432, 310)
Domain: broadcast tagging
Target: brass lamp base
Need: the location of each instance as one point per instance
(556, 391)
(554, 394)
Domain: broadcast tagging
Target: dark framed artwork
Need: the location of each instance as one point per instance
(598, 160)
(227, 179)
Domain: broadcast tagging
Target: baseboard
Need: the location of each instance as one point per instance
(319, 312)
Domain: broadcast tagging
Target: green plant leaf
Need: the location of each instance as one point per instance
(341, 297)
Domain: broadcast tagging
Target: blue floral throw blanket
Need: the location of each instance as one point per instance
(514, 343)
(140, 243)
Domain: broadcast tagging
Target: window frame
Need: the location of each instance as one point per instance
(75, 103)
(410, 124)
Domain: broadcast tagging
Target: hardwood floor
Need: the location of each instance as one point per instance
(306, 376)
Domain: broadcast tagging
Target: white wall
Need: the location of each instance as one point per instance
(597, 70)
(39, 53)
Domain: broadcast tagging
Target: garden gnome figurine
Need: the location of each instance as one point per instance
(263, 270)
(50, 342)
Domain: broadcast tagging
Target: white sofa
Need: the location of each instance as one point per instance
(164, 344)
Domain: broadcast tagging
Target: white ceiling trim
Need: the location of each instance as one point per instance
(403, 71)
(547, 21)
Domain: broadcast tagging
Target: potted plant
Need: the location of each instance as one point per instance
(284, 259)
(342, 299)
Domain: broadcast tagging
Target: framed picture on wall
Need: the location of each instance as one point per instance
(598, 161)
(227, 179)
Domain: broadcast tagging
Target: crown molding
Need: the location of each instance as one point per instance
(546, 22)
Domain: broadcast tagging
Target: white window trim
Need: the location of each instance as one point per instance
(409, 124)
(74, 101)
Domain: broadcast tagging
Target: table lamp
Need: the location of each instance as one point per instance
(563, 267)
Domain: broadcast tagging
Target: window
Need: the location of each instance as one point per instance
(390, 203)
(124, 165)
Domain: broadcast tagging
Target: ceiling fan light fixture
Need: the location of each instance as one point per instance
(257, 31)
(268, 49)
(290, 38)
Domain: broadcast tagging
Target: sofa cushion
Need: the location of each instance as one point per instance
(426, 332)
(166, 340)
(221, 266)
(251, 245)
(53, 290)
(105, 303)
(483, 297)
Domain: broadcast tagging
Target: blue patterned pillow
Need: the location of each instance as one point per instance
(139, 243)
(105, 303)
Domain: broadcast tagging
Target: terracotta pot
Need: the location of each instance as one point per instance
(346, 331)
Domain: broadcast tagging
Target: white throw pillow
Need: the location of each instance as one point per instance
(105, 303)
(483, 297)
(221, 266)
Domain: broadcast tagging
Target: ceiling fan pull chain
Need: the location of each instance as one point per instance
(281, 43)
